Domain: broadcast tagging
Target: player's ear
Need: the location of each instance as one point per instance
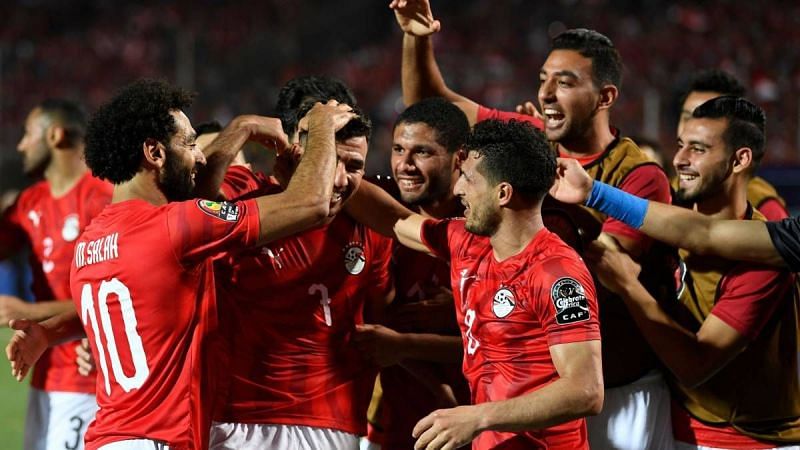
(742, 159)
(608, 95)
(504, 193)
(155, 153)
(55, 135)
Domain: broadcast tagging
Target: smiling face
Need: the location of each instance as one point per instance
(183, 159)
(567, 96)
(422, 168)
(702, 162)
(481, 211)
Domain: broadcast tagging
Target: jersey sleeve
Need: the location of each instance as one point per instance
(199, 229)
(749, 295)
(12, 234)
(485, 113)
(380, 275)
(440, 236)
(565, 300)
(240, 181)
(648, 182)
(785, 237)
(772, 209)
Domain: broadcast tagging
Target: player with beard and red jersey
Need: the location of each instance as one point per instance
(48, 217)
(297, 380)
(142, 272)
(579, 84)
(524, 300)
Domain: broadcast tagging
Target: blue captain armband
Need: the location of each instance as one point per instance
(618, 204)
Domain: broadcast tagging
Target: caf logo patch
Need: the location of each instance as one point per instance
(570, 301)
(503, 303)
(228, 212)
(71, 228)
(354, 258)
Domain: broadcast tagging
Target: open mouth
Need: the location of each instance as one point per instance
(553, 118)
(410, 184)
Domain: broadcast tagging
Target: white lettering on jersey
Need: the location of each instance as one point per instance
(97, 251)
(472, 342)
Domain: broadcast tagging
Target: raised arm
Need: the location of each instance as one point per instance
(743, 240)
(420, 73)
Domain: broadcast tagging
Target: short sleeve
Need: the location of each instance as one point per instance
(785, 237)
(241, 182)
(749, 295)
(648, 182)
(440, 236)
(485, 113)
(199, 229)
(772, 209)
(565, 300)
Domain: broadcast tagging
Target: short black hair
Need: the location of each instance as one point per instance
(713, 80)
(311, 87)
(515, 152)
(209, 127)
(449, 122)
(746, 124)
(357, 127)
(606, 62)
(138, 112)
(67, 114)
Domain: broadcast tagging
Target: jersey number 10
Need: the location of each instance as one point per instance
(89, 315)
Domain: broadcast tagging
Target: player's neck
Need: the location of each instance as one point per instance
(66, 168)
(727, 204)
(595, 139)
(143, 186)
(516, 230)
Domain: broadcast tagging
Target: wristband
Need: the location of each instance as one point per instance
(618, 204)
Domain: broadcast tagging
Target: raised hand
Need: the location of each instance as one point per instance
(267, 131)
(529, 109)
(25, 347)
(331, 112)
(573, 184)
(415, 17)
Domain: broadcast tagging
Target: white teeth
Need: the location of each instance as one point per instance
(336, 197)
(684, 177)
(550, 111)
(409, 183)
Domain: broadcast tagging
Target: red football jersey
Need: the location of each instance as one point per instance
(144, 287)
(291, 307)
(510, 313)
(51, 226)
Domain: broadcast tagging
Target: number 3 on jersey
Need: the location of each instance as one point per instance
(89, 315)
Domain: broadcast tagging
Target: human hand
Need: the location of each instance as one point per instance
(415, 17)
(267, 131)
(12, 308)
(573, 184)
(331, 113)
(25, 347)
(613, 267)
(84, 359)
(529, 109)
(448, 429)
(379, 344)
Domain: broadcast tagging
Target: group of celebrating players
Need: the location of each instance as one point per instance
(446, 306)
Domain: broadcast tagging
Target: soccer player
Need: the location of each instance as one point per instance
(525, 302)
(48, 217)
(142, 272)
(427, 138)
(291, 308)
(579, 84)
(732, 347)
(704, 86)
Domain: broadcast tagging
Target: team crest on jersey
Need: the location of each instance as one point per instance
(354, 258)
(228, 212)
(503, 303)
(71, 228)
(570, 301)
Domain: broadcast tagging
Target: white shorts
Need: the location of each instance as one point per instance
(57, 420)
(253, 436)
(684, 446)
(634, 417)
(136, 444)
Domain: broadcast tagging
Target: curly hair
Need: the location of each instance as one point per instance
(449, 122)
(514, 152)
(300, 90)
(138, 112)
(606, 62)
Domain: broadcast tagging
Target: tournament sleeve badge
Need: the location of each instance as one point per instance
(226, 211)
(570, 301)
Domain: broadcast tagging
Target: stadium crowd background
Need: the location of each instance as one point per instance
(236, 55)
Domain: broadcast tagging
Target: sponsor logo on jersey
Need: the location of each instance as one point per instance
(503, 303)
(354, 258)
(228, 212)
(570, 301)
(680, 277)
(71, 228)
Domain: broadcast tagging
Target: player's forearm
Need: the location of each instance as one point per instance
(560, 401)
(679, 349)
(42, 310)
(64, 327)
(219, 154)
(432, 347)
(373, 207)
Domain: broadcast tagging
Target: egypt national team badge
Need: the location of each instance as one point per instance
(71, 228)
(503, 303)
(570, 301)
(354, 258)
(228, 212)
